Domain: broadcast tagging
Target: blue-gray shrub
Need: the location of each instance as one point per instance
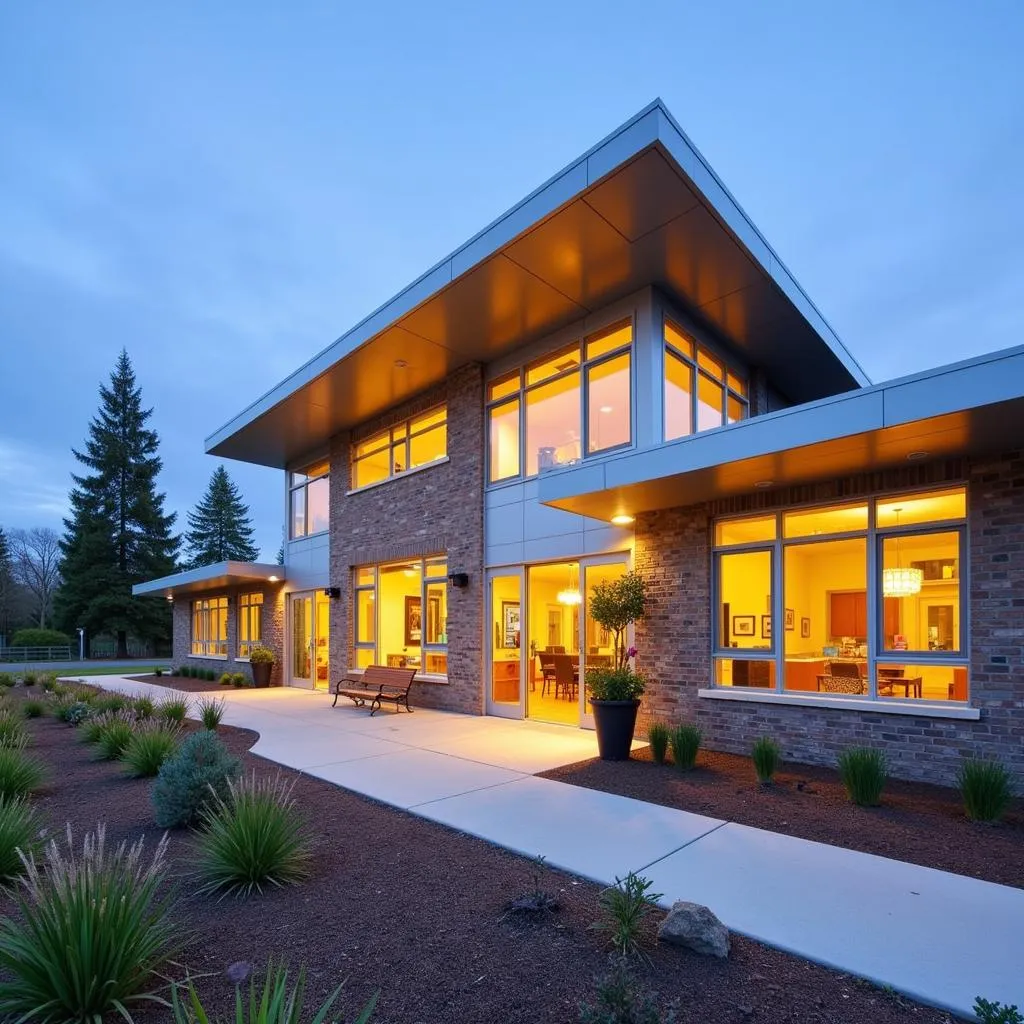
(188, 781)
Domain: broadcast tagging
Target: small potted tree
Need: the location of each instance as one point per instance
(262, 661)
(614, 691)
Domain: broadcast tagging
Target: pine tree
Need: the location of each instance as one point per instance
(118, 533)
(219, 528)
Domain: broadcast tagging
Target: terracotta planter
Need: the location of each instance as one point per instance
(616, 723)
(261, 673)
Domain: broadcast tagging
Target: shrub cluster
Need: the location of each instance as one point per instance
(863, 771)
(20, 774)
(685, 741)
(986, 788)
(173, 709)
(198, 772)
(149, 747)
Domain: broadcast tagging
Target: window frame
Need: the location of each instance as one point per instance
(249, 611)
(398, 435)
(582, 368)
(203, 614)
(302, 486)
(697, 372)
(874, 537)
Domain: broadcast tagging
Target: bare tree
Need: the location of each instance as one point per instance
(36, 565)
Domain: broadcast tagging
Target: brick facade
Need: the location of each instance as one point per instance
(273, 629)
(673, 551)
(434, 511)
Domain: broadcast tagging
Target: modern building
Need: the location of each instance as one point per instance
(620, 372)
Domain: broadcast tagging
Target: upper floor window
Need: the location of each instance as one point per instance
(309, 500)
(571, 403)
(250, 623)
(411, 444)
(701, 392)
(210, 627)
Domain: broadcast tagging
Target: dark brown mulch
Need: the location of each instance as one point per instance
(181, 683)
(416, 911)
(919, 823)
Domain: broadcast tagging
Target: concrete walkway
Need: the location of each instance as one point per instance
(937, 937)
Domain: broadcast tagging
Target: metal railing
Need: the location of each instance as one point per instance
(25, 654)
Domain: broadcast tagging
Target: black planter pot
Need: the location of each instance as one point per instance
(616, 722)
(261, 673)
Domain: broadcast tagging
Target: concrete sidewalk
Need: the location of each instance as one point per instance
(937, 937)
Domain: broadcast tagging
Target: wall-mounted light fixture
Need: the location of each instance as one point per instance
(332, 592)
(459, 579)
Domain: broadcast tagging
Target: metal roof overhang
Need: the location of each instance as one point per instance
(966, 408)
(210, 577)
(642, 207)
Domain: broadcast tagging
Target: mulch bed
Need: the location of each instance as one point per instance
(916, 822)
(418, 912)
(181, 683)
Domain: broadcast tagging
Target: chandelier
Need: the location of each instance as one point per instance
(571, 595)
(900, 582)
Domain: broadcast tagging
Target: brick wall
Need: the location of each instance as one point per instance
(673, 551)
(434, 511)
(273, 630)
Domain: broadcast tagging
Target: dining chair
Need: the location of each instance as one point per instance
(566, 683)
(547, 672)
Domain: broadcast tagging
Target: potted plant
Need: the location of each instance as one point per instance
(614, 691)
(262, 661)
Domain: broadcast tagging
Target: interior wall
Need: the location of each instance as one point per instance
(394, 587)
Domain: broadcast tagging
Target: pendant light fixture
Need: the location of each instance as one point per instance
(900, 582)
(571, 595)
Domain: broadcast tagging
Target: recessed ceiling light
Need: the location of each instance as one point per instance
(272, 579)
(917, 456)
(401, 364)
(606, 408)
(762, 484)
(622, 519)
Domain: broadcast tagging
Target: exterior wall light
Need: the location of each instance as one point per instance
(459, 580)
(332, 592)
(622, 519)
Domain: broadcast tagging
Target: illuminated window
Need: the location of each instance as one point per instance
(309, 500)
(210, 627)
(250, 623)
(401, 615)
(536, 418)
(701, 392)
(412, 444)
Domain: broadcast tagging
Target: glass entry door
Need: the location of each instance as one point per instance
(310, 634)
(597, 650)
(505, 690)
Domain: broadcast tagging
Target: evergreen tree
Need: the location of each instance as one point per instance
(219, 528)
(118, 533)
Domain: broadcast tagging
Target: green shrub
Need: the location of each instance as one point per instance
(39, 638)
(20, 833)
(657, 737)
(173, 709)
(115, 736)
(766, 756)
(184, 671)
(211, 711)
(621, 999)
(226, 678)
(49, 684)
(996, 1013)
(110, 702)
(863, 771)
(986, 789)
(73, 712)
(143, 707)
(33, 708)
(240, 679)
(211, 676)
(150, 745)
(685, 742)
(7, 680)
(624, 908)
(20, 774)
(272, 1003)
(199, 770)
(92, 728)
(28, 679)
(253, 837)
(93, 928)
(12, 732)
(261, 655)
(158, 672)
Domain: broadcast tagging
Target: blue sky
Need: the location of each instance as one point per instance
(225, 188)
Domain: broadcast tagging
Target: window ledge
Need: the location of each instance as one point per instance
(433, 678)
(885, 707)
(398, 476)
(240, 658)
(208, 657)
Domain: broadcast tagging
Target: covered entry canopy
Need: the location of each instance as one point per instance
(642, 207)
(210, 577)
(962, 409)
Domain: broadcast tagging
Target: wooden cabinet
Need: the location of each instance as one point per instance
(505, 681)
(848, 614)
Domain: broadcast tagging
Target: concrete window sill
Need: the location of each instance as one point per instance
(208, 657)
(399, 476)
(885, 707)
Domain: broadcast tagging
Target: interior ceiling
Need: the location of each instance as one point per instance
(643, 224)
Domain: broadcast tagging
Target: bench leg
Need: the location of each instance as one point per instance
(375, 707)
(335, 704)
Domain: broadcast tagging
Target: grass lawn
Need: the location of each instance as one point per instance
(143, 668)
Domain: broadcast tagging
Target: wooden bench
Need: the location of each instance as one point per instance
(377, 683)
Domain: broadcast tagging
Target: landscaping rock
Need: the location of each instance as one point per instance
(238, 972)
(695, 927)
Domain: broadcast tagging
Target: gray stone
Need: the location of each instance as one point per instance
(238, 972)
(695, 927)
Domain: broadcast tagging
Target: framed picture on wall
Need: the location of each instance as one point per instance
(766, 627)
(790, 619)
(805, 628)
(743, 625)
(413, 620)
(510, 624)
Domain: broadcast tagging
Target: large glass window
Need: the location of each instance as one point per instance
(701, 392)
(568, 404)
(411, 444)
(401, 615)
(852, 625)
(210, 627)
(309, 500)
(250, 623)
